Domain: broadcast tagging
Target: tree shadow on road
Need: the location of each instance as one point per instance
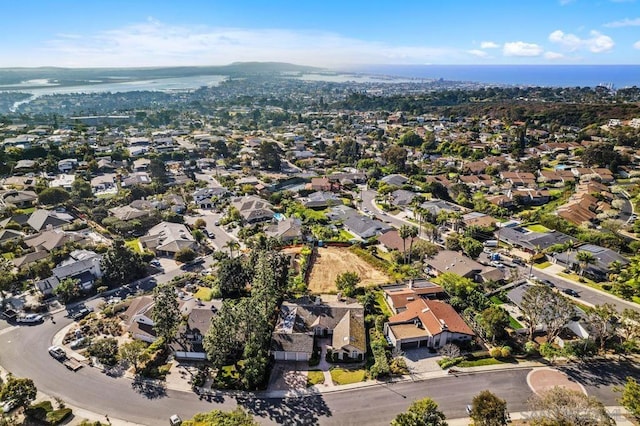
(149, 389)
(289, 411)
(602, 373)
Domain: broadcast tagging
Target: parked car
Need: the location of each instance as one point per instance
(518, 261)
(30, 319)
(571, 292)
(57, 352)
(9, 405)
(549, 283)
(80, 313)
(175, 420)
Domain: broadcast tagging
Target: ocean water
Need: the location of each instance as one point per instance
(527, 75)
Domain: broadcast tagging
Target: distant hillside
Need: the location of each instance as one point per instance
(69, 76)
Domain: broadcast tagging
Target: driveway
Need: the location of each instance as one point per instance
(420, 361)
(288, 376)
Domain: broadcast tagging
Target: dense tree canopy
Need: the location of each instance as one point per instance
(121, 265)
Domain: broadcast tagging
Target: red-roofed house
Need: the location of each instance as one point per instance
(426, 323)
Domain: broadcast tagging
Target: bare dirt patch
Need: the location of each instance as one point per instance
(331, 261)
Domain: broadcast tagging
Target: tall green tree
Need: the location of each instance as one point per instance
(68, 290)
(7, 278)
(53, 196)
(585, 258)
(413, 234)
(22, 391)
(494, 320)
(422, 412)
(347, 282)
(404, 233)
(603, 320)
(268, 155)
(134, 352)
(488, 410)
(232, 276)
(120, 265)
(165, 312)
(630, 398)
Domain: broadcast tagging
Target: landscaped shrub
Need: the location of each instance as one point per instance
(495, 352)
(58, 416)
(381, 366)
(505, 352)
(449, 362)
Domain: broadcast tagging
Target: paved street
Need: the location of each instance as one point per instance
(24, 353)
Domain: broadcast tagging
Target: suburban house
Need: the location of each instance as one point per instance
(67, 165)
(51, 239)
(531, 241)
(104, 184)
(137, 319)
(81, 265)
(394, 180)
(287, 230)
(597, 270)
(402, 197)
(299, 323)
(399, 296)
(320, 199)
(451, 261)
(167, 238)
(203, 197)
(364, 227)
(20, 199)
(188, 343)
(426, 323)
(46, 219)
(253, 209)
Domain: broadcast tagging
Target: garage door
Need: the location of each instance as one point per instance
(408, 345)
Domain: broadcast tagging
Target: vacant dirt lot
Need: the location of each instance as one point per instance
(332, 261)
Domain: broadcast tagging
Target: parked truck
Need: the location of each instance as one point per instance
(72, 364)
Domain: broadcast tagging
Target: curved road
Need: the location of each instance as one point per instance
(23, 352)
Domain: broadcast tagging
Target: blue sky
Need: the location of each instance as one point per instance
(327, 33)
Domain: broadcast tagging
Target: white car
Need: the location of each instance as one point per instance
(9, 405)
(31, 319)
(175, 420)
(57, 352)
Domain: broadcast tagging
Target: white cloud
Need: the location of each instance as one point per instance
(553, 56)
(520, 48)
(154, 43)
(626, 22)
(596, 43)
(489, 45)
(479, 53)
(636, 45)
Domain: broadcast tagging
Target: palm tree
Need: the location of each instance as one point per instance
(231, 245)
(404, 232)
(568, 246)
(413, 233)
(585, 258)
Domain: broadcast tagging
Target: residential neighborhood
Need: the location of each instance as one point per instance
(266, 251)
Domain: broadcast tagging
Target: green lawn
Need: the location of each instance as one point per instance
(480, 362)
(381, 304)
(496, 300)
(341, 376)
(315, 377)
(204, 293)
(537, 228)
(513, 323)
(542, 265)
(134, 245)
(228, 377)
(346, 235)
